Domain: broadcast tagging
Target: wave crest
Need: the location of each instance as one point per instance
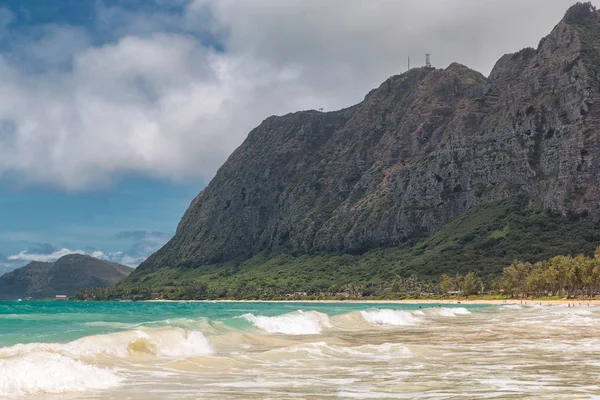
(389, 317)
(49, 373)
(294, 323)
(169, 342)
(443, 311)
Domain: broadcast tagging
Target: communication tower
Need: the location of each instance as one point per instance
(427, 61)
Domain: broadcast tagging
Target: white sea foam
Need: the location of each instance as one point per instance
(294, 323)
(383, 351)
(323, 350)
(170, 342)
(574, 320)
(511, 307)
(448, 312)
(39, 373)
(194, 343)
(389, 317)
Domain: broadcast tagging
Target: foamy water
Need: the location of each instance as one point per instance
(296, 323)
(297, 351)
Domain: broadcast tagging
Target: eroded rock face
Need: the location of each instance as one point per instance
(419, 151)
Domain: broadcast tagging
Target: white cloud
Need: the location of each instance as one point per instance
(117, 257)
(160, 104)
(25, 255)
(142, 244)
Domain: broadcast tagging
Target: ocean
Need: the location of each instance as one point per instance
(248, 350)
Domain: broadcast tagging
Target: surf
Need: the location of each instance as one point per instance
(170, 342)
(52, 373)
(294, 323)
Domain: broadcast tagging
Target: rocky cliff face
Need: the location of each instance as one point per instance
(419, 151)
(63, 277)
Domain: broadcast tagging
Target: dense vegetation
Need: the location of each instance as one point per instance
(563, 276)
(483, 241)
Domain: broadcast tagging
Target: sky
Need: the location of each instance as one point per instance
(114, 114)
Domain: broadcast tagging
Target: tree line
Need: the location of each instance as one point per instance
(563, 276)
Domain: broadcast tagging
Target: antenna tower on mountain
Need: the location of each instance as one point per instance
(427, 61)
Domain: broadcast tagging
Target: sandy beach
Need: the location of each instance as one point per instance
(565, 302)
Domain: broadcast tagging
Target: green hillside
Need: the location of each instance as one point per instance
(485, 239)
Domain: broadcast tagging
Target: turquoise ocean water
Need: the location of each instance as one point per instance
(55, 321)
(312, 351)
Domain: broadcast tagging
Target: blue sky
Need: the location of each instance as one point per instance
(114, 114)
(127, 219)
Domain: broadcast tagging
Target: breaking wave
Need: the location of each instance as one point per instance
(50, 373)
(511, 307)
(294, 323)
(98, 362)
(443, 311)
(170, 342)
(38, 368)
(389, 317)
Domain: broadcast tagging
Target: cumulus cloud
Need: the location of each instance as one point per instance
(118, 257)
(171, 96)
(25, 255)
(142, 245)
(159, 106)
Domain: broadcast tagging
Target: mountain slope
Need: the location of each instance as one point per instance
(422, 149)
(65, 276)
(484, 239)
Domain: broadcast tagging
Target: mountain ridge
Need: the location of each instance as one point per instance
(422, 149)
(64, 277)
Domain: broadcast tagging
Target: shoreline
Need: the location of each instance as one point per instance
(593, 302)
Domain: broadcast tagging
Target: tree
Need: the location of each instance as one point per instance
(586, 273)
(514, 277)
(471, 284)
(562, 266)
(446, 284)
(596, 277)
(536, 281)
(561, 275)
(573, 274)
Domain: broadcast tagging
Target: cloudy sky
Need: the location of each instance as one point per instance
(115, 113)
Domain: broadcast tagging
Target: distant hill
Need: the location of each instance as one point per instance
(65, 276)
